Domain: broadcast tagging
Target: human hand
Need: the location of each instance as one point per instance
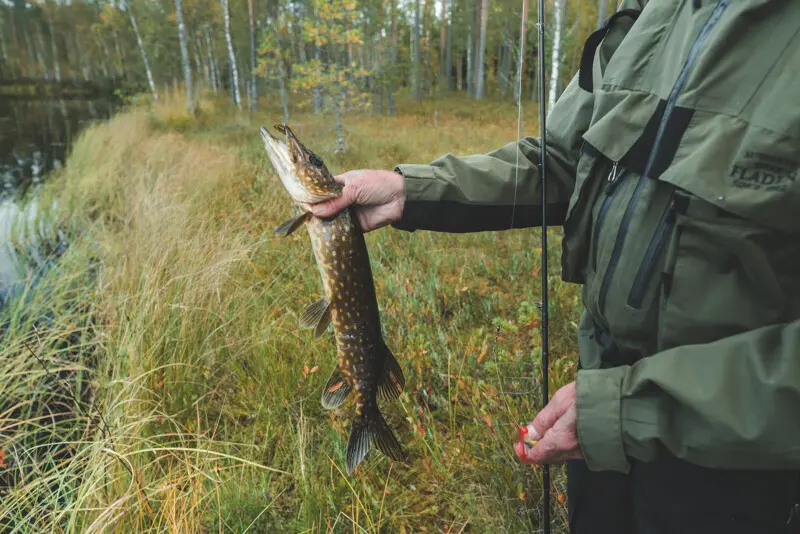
(378, 196)
(555, 429)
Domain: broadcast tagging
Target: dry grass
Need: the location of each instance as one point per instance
(184, 311)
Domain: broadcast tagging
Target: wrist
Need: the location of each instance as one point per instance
(399, 200)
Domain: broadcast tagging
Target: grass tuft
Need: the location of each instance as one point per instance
(157, 380)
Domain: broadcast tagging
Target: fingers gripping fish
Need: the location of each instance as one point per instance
(366, 366)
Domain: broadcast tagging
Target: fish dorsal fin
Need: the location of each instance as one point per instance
(336, 390)
(392, 381)
(317, 316)
(291, 225)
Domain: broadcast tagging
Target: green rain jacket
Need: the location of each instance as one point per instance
(674, 174)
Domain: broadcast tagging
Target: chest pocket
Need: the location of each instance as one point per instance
(724, 275)
(725, 99)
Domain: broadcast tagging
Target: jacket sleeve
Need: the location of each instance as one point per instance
(485, 191)
(733, 403)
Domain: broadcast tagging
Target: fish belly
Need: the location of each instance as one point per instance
(343, 262)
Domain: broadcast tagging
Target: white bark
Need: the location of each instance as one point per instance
(417, 73)
(143, 54)
(521, 65)
(480, 82)
(213, 66)
(187, 67)
(201, 61)
(601, 13)
(253, 81)
(558, 7)
(281, 78)
(231, 56)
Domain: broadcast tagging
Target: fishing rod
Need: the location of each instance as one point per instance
(544, 304)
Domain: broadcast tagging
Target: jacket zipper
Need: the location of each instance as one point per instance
(651, 256)
(721, 6)
(614, 178)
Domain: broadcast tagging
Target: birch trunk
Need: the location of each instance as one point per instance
(443, 73)
(281, 78)
(213, 66)
(231, 57)
(202, 62)
(143, 54)
(254, 88)
(417, 72)
(522, 51)
(187, 67)
(555, 64)
(479, 86)
(4, 51)
(448, 63)
(393, 56)
(470, 77)
(459, 72)
(601, 13)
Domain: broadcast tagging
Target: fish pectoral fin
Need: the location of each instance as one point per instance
(392, 381)
(336, 390)
(369, 429)
(317, 316)
(291, 225)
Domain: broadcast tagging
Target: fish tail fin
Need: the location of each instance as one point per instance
(368, 429)
(392, 381)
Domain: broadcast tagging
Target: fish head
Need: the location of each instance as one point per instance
(303, 173)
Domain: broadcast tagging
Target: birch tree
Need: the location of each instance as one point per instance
(601, 13)
(558, 7)
(235, 95)
(522, 52)
(187, 67)
(254, 85)
(417, 68)
(480, 73)
(143, 53)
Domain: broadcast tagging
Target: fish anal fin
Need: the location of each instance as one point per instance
(291, 225)
(392, 381)
(336, 390)
(316, 316)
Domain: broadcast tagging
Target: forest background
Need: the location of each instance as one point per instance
(153, 378)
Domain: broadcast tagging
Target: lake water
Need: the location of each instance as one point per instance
(35, 138)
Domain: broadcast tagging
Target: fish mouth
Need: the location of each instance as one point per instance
(298, 168)
(278, 152)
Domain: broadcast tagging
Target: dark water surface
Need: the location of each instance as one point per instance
(35, 138)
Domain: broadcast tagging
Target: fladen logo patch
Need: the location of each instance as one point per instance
(761, 171)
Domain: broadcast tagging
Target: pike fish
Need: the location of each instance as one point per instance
(366, 366)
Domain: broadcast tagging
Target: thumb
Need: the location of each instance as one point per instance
(547, 418)
(331, 207)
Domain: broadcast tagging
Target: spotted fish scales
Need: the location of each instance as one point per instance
(365, 365)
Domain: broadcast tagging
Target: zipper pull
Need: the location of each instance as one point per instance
(612, 176)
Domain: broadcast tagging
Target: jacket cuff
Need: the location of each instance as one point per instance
(418, 180)
(600, 419)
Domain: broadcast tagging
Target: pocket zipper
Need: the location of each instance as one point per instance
(614, 178)
(651, 256)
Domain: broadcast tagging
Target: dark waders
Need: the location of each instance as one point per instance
(671, 496)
